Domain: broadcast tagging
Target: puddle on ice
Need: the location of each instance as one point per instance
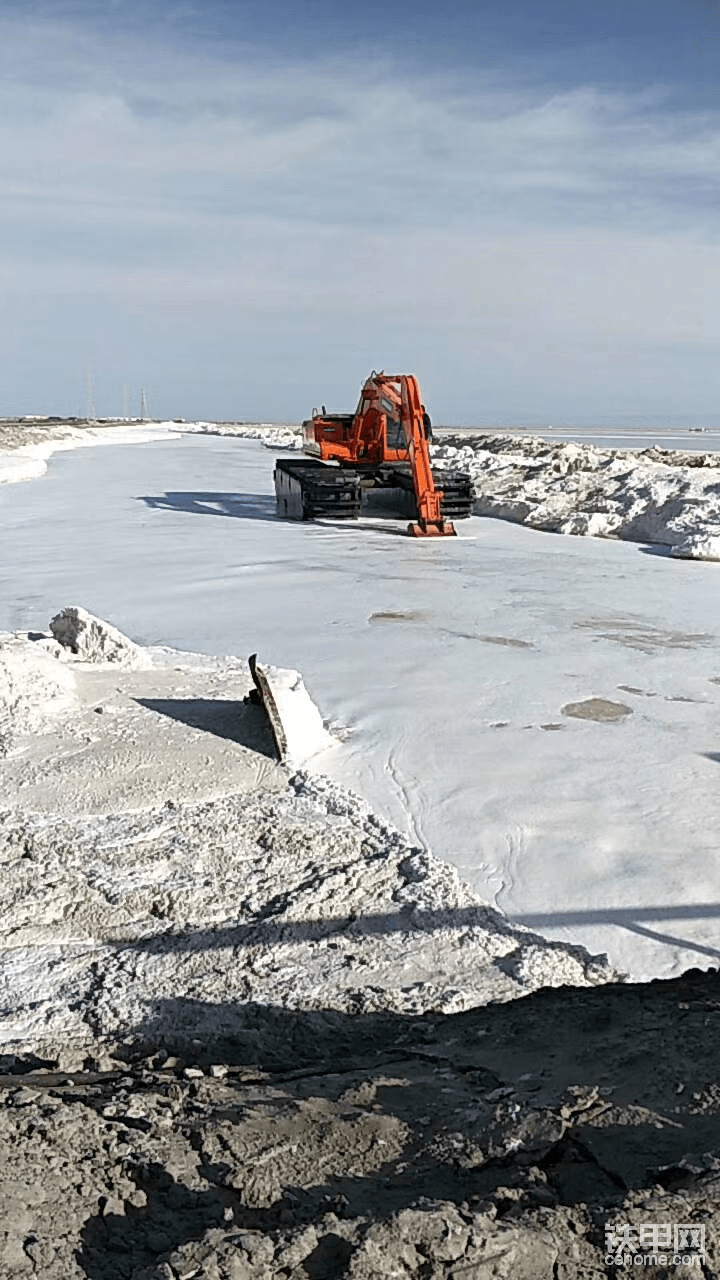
(600, 709)
(392, 615)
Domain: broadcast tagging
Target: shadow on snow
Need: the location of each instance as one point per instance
(242, 506)
(266, 929)
(241, 722)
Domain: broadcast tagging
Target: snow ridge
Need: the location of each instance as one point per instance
(658, 496)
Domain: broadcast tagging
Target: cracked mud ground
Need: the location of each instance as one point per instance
(498, 1142)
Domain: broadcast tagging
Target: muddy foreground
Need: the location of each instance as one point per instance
(498, 1142)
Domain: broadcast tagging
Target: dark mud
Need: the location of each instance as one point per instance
(501, 1142)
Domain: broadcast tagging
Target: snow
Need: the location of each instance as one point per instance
(28, 461)
(538, 711)
(668, 498)
(92, 639)
(34, 691)
(149, 863)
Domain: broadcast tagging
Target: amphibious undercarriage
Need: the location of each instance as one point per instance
(306, 488)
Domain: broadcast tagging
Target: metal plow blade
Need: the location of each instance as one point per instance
(296, 724)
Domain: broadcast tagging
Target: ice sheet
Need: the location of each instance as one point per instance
(448, 662)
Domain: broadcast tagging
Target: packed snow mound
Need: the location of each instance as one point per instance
(35, 690)
(82, 738)
(91, 639)
(700, 546)
(652, 495)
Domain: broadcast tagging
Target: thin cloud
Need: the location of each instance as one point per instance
(156, 195)
(338, 145)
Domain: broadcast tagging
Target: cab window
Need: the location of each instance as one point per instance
(395, 434)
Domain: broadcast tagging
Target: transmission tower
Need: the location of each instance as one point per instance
(89, 399)
(143, 406)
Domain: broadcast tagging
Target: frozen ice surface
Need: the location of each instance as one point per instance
(449, 664)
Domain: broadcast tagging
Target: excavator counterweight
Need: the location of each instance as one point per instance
(383, 445)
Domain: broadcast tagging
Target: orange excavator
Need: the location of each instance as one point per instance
(384, 444)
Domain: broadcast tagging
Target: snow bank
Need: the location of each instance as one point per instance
(176, 920)
(26, 447)
(175, 915)
(657, 496)
(35, 690)
(272, 435)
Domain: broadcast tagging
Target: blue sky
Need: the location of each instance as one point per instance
(243, 207)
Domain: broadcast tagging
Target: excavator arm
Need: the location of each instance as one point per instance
(430, 522)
